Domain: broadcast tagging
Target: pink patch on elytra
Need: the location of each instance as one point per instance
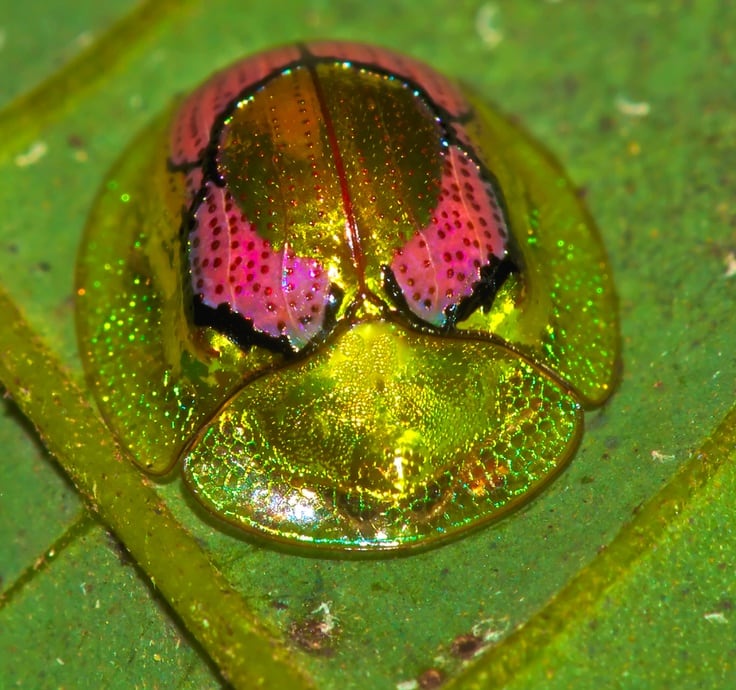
(440, 264)
(192, 128)
(280, 293)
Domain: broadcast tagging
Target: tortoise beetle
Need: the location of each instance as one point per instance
(357, 306)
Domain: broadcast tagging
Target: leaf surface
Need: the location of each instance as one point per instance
(619, 574)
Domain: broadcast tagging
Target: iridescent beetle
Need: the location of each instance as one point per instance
(360, 307)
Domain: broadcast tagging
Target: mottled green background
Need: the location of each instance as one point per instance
(637, 100)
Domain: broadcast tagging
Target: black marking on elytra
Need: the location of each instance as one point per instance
(492, 276)
(236, 327)
(245, 334)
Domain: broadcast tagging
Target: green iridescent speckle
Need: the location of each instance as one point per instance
(312, 438)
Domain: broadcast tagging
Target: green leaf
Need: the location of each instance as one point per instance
(619, 574)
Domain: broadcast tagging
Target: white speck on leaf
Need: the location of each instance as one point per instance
(329, 622)
(486, 27)
(632, 108)
(34, 154)
(659, 456)
(730, 265)
(407, 685)
(491, 630)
